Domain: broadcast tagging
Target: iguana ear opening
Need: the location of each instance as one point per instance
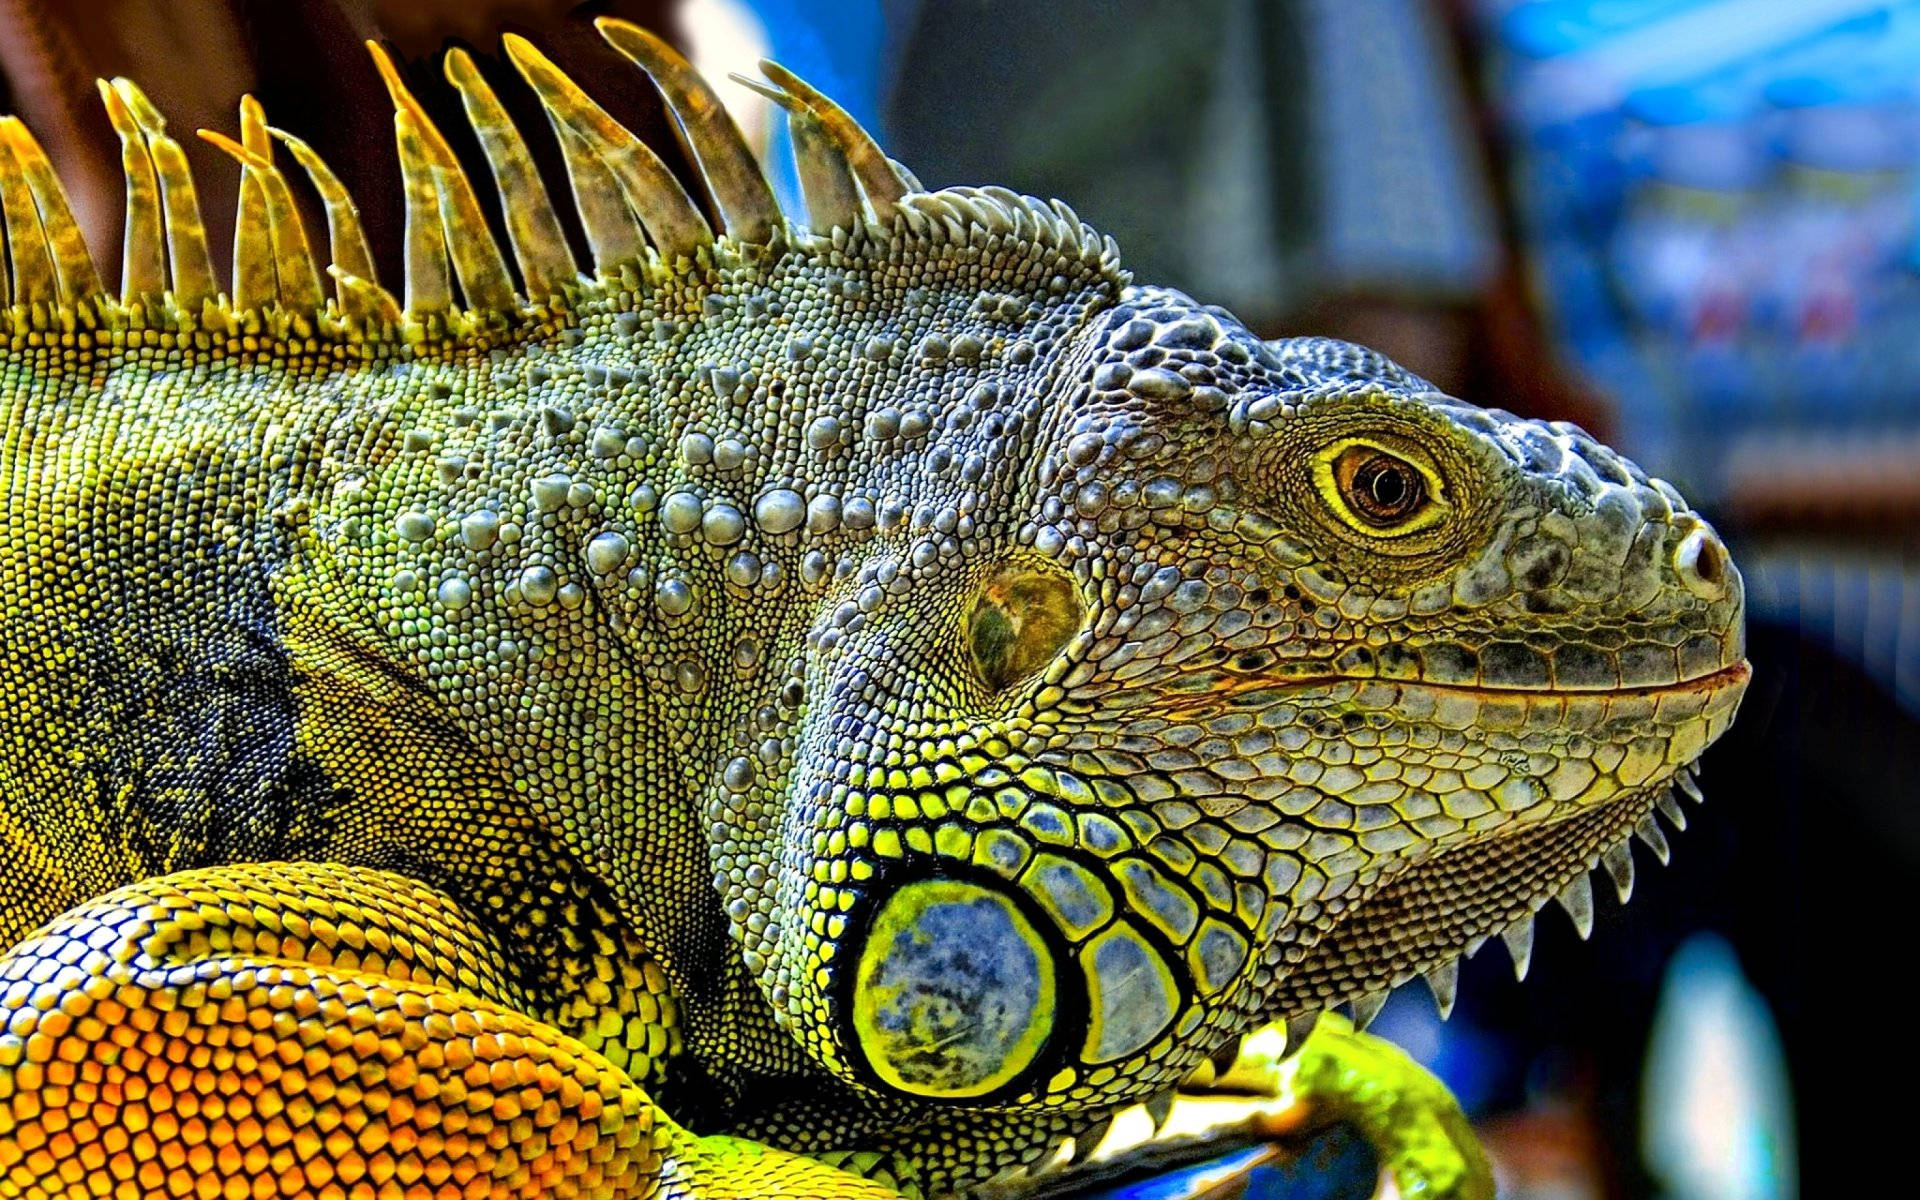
(1022, 618)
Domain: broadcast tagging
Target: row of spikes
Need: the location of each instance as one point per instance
(1575, 897)
(626, 197)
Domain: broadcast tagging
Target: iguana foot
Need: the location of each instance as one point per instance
(1340, 1074)
(1287, 1118)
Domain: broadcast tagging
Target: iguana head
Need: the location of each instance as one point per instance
(1292, 679)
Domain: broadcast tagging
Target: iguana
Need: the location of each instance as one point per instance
(812, 707)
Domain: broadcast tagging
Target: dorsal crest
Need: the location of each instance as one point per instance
(642, 227)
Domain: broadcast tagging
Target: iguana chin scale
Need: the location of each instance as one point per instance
(887, 691)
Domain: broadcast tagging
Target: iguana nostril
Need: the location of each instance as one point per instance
(1700, 560)
(954, 993)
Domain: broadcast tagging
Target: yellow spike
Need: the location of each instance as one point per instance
(72, 265)
(652, 194)
(255, 281)
(143, 257)
(295, 280)
(613, 235)
(881, 183)
(533, 228)
(191, 265)
(6, 276)
(33, 280)
(831, 192)
(706, 132)
(363, 297)
(347, 246)
(826, 182)
(253, 128)
(293, 259)
(429, 289)
(476, 257)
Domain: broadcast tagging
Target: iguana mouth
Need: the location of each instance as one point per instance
(1705, 685)
(1734, 674)
(1709, 682)
(1420, 919)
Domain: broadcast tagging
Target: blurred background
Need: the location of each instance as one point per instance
(1689, 225)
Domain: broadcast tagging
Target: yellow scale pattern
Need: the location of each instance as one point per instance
(305, 1026)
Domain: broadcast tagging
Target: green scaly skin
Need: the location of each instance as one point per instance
(884, 699)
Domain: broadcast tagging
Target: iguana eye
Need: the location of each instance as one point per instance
(1383, 489)
(1377, 490)
(1022, 617)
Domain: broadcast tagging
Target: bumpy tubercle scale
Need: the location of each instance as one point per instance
(670, 575)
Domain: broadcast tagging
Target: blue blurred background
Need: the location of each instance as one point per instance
(1689, 225)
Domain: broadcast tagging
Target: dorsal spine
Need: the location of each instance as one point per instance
(644, 230)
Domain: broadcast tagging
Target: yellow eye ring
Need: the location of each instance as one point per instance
(1381, 491)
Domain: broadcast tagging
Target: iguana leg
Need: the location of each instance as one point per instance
(307, 1030)
(1340, 1074)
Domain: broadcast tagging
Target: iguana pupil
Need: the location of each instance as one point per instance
(1384, 489)
(1391, 486)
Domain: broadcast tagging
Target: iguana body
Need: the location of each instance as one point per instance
(892, 691)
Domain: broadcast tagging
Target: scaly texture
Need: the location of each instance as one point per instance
(880, 688)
